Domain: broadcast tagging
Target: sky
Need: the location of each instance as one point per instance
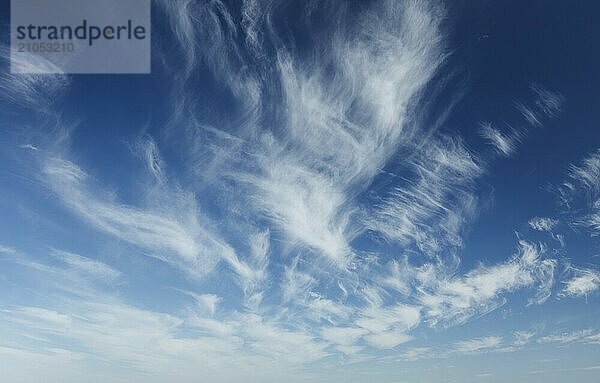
(322, 191)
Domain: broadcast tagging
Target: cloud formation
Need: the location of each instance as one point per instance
(311, 209)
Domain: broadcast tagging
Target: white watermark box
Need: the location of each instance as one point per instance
(80, 36)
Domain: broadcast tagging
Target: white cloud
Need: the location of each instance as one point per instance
(345, 336)
(86, 265)
(580, 195)
(254, 278)
(550, 103)
(477, 345)
(306, 205)
(108, 330)
(147, 149)
(33, 89)
(338, 132)
(271, 341)
(206, 302)
(503, 143)
(543, 223)
(553, 371)
(319, 307)
(387, 339)
(7, 250)
(588, 173)
(296, 284)
(29, 146)
(174, 234)
(489, 344)
(479, 291)
(582, 283)
(416, 354)
(581, 336)
(522, 338)
(331, 138)
(430, 211)
(388, 326)
(547, 105)
(530, 116)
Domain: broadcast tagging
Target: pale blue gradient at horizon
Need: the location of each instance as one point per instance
(313, 191)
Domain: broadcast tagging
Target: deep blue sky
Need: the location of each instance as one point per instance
(313, 191)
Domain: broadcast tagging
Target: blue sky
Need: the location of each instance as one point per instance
(321, 191)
